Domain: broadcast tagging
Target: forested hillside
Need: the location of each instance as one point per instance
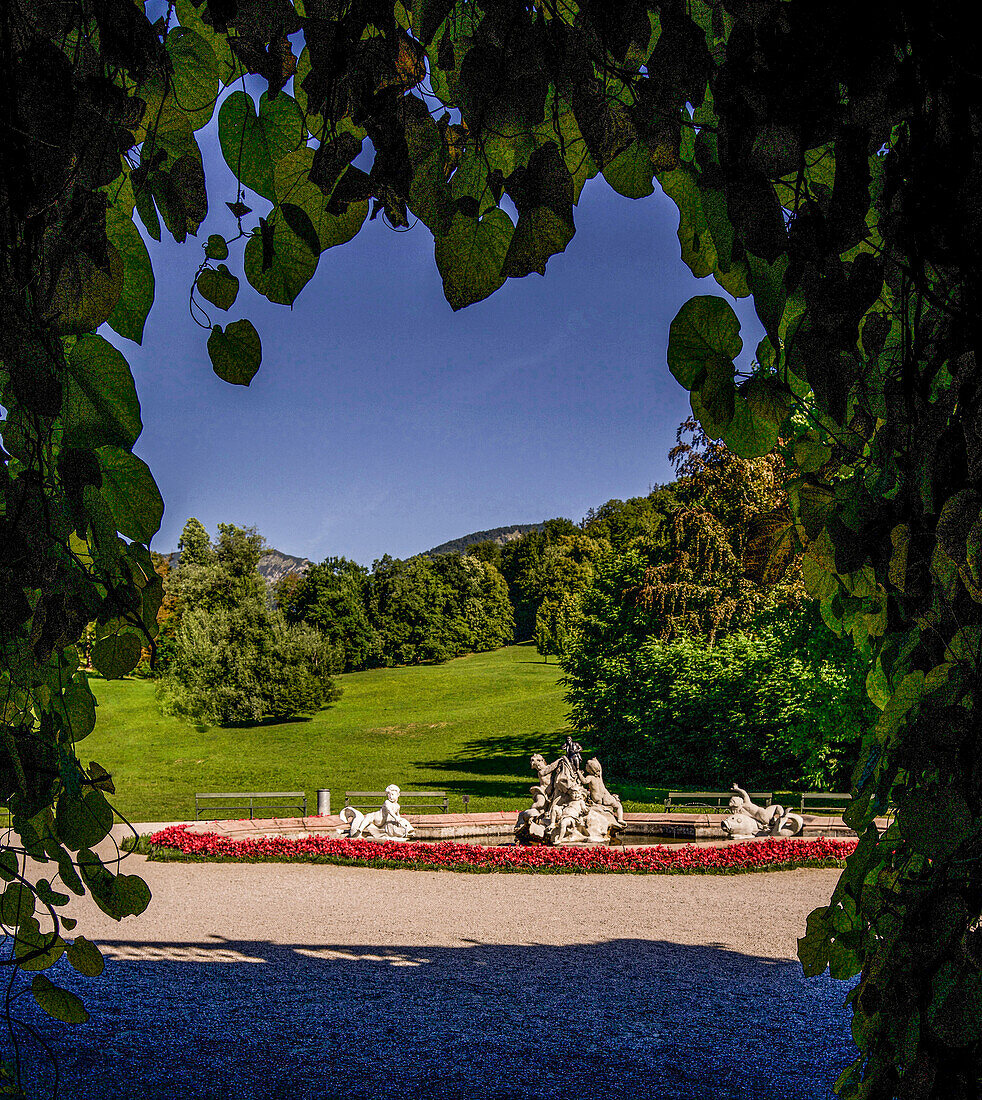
(499, 535)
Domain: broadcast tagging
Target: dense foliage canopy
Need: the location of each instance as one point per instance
(824, 158)
(404, 612)
(779, 704)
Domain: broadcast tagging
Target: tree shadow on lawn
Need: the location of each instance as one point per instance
(509, 754)
(495, 757)
(260, 723)
(629, 1018)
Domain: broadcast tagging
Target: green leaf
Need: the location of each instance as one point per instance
(101, 779)
(17, 903)
(131, 895)
(136, 296)
(116, 655)
(100, 405)
(254, 142)
(294, 189)
(299, 221)
(432, 152)
(878, 686)
(818, 570)
(66, 868)
(57, 1002)
(116, 895)
(34, 949)
(695, 236)
(282, 267)
(810, 455)
(767, 286)
(8, 864)
(229, 66)
(86, 294)
(195, 74)
(85, 957)
(235, 352)
(428, 16)
(704, 330)
(147, 210)
(216, 247)
(543, 195)
(715, 400)
(907, 695)
(813, 947)
(219, 287)
(955, 1013)
(48, 895)
(753, 430)
(83, 822)
(131, 493)
(77, 706)
(630, 172)
(470, 256)
(934, 820)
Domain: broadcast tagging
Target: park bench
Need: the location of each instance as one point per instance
(819, 802)
(715, 799)
(237, 801)
(410, 802)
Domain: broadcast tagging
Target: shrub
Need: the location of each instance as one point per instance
(781, 704)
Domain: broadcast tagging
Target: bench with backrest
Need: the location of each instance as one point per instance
(715, 799)
(820, 802)
(238, 801)
(410, 802)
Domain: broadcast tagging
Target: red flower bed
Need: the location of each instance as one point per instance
(757, 855)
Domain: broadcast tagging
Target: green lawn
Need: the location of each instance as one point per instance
(467, 726)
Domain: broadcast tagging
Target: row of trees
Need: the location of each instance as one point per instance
(402, 612)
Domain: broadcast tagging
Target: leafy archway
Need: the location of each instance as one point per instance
(823, 157)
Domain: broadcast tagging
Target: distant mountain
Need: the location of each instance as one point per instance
(273, 565)
(499, 535)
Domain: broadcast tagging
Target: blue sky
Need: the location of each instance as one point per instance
(382, 422)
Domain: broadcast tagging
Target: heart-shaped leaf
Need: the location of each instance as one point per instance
(235, 352)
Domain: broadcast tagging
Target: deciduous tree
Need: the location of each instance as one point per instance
(334, 598)
(236, 659)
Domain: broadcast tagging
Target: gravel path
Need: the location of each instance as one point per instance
(268, 981)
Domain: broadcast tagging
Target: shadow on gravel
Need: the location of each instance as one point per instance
(624, 1019)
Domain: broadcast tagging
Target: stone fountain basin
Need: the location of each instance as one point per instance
(499, 827)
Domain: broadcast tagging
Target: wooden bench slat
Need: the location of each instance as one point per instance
(818, 800)
(252, 794)
(720, 798)
(408, 794)
(407, 799)
(246, 800)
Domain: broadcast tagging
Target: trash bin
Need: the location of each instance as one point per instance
(324, 802)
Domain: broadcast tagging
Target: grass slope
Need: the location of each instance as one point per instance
(467, 726)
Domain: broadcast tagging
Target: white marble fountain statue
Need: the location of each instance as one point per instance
(571, 804)
(747, 819)
(386, 823)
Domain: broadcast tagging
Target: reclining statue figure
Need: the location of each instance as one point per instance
(747, 819)
(386, 823)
